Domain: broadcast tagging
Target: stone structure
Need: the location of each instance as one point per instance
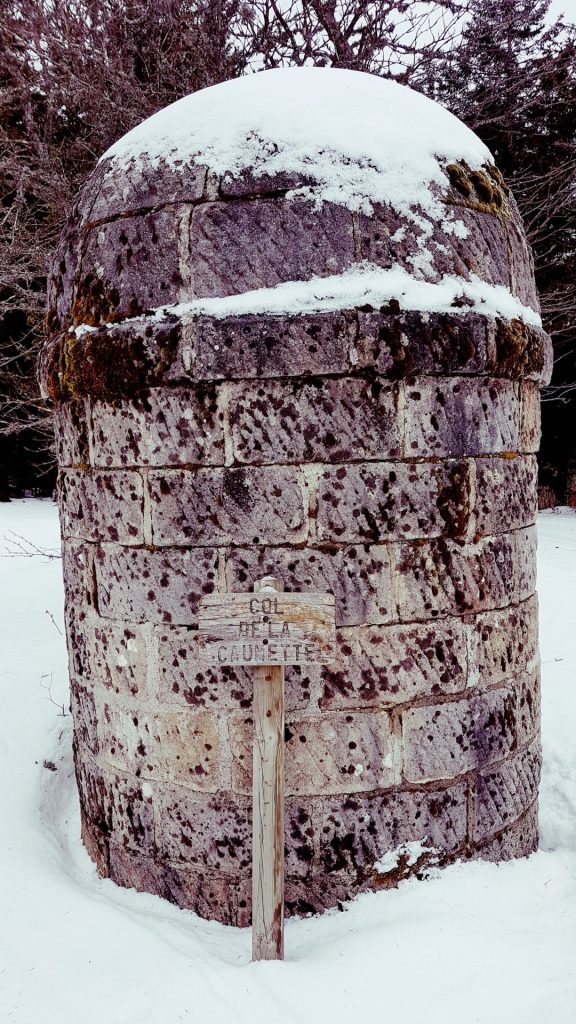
(383, 454)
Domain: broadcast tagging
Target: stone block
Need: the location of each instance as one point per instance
(96, 845)
(92, 788)
(444, 577)
(522, 351)
(99, 506)
(384, 237)
(213, 831)
(529, 706)
(85, 717)
(170, 746)
(503, 794)
(393, 500)
(382, 666)
(521, 266)
(331, 753)
(483, 252)
(301, 840)
(167, 427)
(404, 343)
(518, 840)
(314, 421)
(132, 265)
(266, 345)
(186, 681)
(506, 494)
(138, 585)
(305, 897)
(258, 505)
(458, 416)
(446, 740)
(504, 644)
(464, 243)
(76, 625)
(526, 543)
(65, 263)
(78, 573)
(131, 813)
(360, 829)
(134, 871)
(237, 246)
(143, 184)
(530, 418)
(119, 657)
(71, 433)
(249, 183)
(210, 895)
(357, 575)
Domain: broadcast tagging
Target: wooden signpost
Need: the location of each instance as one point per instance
(267, 630)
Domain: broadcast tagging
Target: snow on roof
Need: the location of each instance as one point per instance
(358, 138)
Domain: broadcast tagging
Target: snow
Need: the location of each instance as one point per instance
(475, 943)
(362, 284)
(408, 853)
(360, 139)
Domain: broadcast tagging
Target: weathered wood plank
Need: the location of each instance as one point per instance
(268, 815)
(266, 628)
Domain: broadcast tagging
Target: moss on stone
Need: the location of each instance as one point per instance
(482, 190)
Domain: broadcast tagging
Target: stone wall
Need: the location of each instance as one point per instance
(382, 455)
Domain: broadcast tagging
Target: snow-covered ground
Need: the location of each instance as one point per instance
(478, 943)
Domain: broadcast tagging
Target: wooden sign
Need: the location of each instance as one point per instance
(268, 630)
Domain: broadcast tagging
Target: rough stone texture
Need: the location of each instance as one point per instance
(506, 493)
(332, 753)
(503, 794)
(187, 681)
(153, 586)
(237, 246)
(504, 644)
(390, 665)
(133, 264)
(169, 427)
(389, 501)
(265, 346)
(143, 185)
(357, 575)
(102, 506)
(444, 577)
(168, 746)
(318, 421)
(242, 506)
(361, 829)
(460, 416)
(383, 455)
(387, 240)
(450, 739)
(71, 434)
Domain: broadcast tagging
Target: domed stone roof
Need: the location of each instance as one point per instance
(362, 187)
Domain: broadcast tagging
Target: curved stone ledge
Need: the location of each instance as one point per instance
(124, 360)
